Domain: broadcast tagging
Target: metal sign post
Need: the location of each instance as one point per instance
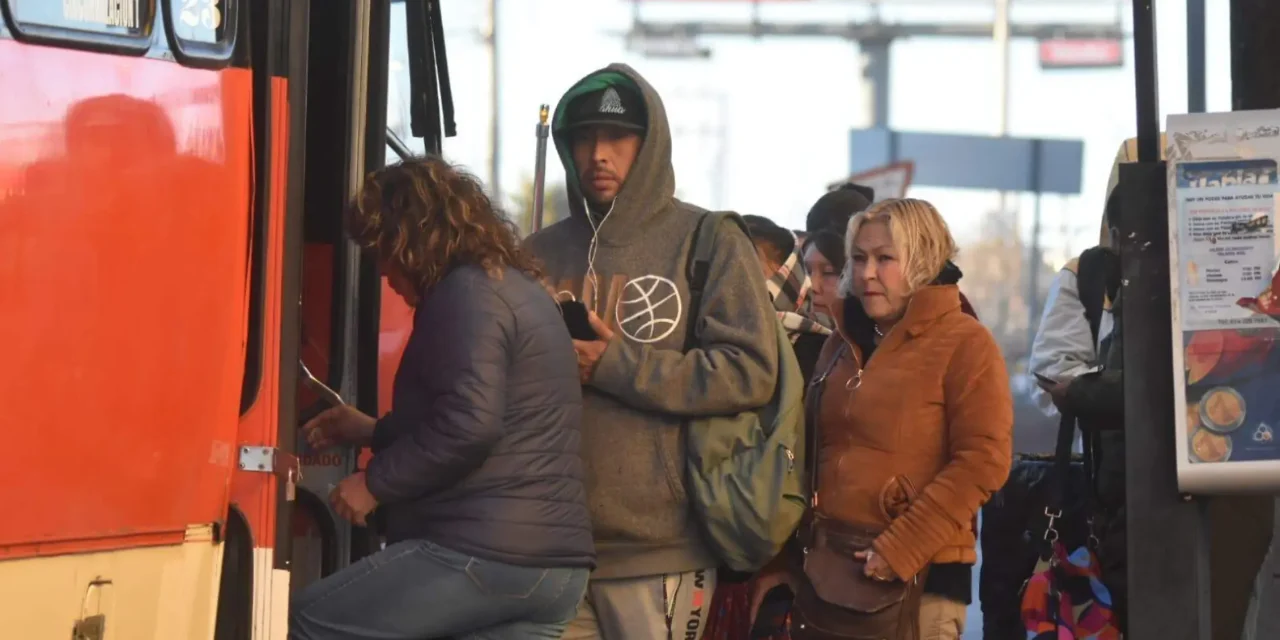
(1167, 554)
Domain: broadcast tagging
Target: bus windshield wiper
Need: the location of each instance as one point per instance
(431, 95)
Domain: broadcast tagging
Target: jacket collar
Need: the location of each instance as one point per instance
(923, 308)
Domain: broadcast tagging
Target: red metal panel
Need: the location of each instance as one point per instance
(395, 323)
(255, 493)
(122, 296)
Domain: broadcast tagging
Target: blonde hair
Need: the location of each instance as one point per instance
(920, 236)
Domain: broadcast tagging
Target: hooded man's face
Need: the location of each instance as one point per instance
(603, 155)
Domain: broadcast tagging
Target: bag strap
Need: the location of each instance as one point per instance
(698, 269)
(1092, 284)
(813, 403)
(1058, 481)
(1061, 470)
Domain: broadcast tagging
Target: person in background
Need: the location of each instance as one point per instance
(780, 264)
(477, 465)
(1240, 526)
(624, 254)
(824, 227)
(949, 437)
(831, 213)
(832, 210)
(789, 287)
(823, 255)
(1077, 317)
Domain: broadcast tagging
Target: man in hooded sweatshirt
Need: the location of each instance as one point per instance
(623, 252)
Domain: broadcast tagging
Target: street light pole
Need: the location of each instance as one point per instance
(495, 104)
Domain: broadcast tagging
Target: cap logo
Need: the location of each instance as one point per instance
(611, 102)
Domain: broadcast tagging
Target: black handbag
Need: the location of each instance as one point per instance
(1046, 498)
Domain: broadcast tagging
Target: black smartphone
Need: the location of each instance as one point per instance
(575, 318)
(1045, 381)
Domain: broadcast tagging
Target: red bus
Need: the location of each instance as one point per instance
(172, 180)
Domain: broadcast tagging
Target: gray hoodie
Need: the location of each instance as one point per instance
(629, 266)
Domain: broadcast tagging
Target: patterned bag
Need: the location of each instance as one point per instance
(1065, 599)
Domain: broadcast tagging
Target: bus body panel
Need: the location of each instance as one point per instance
(142, 593)
(256, 495)
(123, 297)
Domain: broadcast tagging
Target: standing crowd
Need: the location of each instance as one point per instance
(831, 394)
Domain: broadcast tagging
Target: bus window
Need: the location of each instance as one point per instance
(111, 24)
(398, 108)
(201, 21)
(201, 32)
(417, 69)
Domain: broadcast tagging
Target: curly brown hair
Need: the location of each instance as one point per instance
(425, 216)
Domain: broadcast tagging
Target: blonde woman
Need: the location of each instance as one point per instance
(914, 422)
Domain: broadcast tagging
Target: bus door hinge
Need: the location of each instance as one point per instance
(282, 464)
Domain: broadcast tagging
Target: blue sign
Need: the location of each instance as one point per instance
(973, 162)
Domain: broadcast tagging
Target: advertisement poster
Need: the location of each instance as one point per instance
(1223, 257)
(1226, 240)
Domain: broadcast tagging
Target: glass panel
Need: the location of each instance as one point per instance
(127, 18)
(398, 85)
(201, 21)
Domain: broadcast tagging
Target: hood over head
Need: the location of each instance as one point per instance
(650, 186)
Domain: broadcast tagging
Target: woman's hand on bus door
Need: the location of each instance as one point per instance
(351, 499)
(340, 425)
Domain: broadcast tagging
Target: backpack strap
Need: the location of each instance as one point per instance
(813, 406)
(699, 267)
(1091, 281)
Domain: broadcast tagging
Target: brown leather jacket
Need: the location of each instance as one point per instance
(933, 404)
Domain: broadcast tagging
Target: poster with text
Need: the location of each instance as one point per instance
(1223, 180)
(1226, 240)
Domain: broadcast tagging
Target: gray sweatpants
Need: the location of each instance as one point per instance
(670, 607)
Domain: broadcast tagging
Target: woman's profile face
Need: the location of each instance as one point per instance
(878, 281)
(400, 284)
(823, 278)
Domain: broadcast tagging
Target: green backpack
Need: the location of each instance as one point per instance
(744, 470)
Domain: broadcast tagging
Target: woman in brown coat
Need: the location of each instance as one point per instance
(915, 416)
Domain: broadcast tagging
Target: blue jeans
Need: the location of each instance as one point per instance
(417, 590)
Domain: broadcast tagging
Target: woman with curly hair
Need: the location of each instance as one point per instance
(476, 467)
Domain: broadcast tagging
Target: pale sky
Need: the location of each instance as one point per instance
(763, 125)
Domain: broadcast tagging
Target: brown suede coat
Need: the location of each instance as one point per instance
(933, 405)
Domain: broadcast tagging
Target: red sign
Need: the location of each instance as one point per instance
(1096, 53)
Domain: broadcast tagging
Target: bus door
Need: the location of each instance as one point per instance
(334, 135)
(354, 327)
